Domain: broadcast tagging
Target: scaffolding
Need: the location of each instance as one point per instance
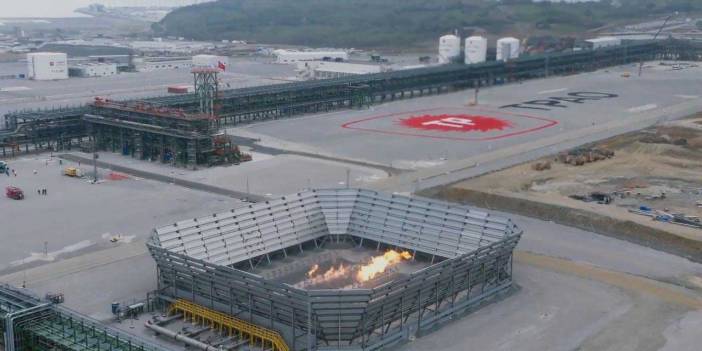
(257, 336)
(147, 131)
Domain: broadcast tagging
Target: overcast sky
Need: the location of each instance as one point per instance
(40, 8)
(64, 8)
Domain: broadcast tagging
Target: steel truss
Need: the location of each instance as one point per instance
(470, 252)
(29, 323)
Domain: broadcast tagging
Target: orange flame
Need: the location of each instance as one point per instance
(379, 264)
(332, 273)
(313, 270)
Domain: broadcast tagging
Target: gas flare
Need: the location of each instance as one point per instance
(313, 270)
(379, 264)
(331, 274)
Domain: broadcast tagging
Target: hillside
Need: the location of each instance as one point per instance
(398, 23)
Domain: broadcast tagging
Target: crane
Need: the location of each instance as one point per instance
(665, 22)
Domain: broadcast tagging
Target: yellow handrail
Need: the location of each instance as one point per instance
(222, 321)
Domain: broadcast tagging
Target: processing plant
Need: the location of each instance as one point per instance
(337, 268)
(167, 127)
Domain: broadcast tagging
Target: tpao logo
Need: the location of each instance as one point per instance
(560, 101)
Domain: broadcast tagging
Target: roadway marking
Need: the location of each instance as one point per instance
(552, 91)
(689, 97)
(11, 89)
(642, 108)
(544, 123)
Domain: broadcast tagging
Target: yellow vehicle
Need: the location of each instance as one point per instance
(72, 172)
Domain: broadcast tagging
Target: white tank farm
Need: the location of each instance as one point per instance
(449, 48)
(476, 50)
(211, 61)
(47, 65)
(507, 49)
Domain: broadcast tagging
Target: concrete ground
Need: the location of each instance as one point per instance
(267, 175)
(76, 216)
(377, 134)
(18, 94)
(579, 290)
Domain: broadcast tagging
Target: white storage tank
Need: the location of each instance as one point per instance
(476, 50)
(449, 48)
(507, 49)
(603, 42)
(47, 65)
(211, 61)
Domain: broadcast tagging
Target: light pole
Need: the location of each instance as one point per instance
(95, 157)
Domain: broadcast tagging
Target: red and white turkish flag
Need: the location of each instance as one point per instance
(221, 65)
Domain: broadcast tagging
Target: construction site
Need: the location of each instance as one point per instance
(646, 182)
(350, 213)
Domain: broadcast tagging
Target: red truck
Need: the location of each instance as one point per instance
(14, 193)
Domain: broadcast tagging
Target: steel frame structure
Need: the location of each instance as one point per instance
(145, 131)
(206, 87)
(61, 128)
(205, 260)
(29, 323)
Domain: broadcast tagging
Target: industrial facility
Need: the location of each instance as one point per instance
(328, 268)
(212, 261)
(59, 128)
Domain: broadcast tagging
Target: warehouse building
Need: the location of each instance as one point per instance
(149, 64)
(308, 70)
(288, 56)
(84, 70)
(598, 43)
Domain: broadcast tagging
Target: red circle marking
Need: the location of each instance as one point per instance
(456, 123)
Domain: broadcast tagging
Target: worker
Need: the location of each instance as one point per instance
(13, 172)
(35, 171)
(38, 191)
(60, 162)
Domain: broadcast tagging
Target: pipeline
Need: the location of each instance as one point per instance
(180, 337)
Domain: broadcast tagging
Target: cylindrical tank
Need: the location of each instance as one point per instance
(507, 49)
(449, 48)
(476, 50)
